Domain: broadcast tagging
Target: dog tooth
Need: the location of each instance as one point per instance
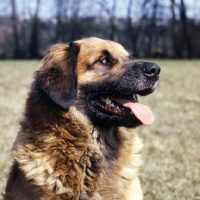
(117, 107)
(108, 101)
(112, 105)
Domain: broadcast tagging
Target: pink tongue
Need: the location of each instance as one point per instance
(142, 112)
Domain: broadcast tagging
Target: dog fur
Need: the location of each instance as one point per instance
(67, 148)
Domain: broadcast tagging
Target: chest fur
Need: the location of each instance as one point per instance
(88, 165)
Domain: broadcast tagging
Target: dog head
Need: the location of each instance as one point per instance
(98, 77)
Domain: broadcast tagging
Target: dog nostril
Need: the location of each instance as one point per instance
(151, 69)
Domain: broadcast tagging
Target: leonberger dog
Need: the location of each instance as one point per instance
(77, 138)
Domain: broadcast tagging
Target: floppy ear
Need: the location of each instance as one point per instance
(57, 74)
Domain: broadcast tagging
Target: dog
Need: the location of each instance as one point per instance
(77, 139)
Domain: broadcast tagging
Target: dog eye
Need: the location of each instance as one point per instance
(105, 61)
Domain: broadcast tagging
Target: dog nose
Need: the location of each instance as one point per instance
(151, 69)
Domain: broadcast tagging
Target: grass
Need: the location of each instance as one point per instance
(15, 79)
(171, 146)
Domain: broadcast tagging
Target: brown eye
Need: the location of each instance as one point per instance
(105, 61)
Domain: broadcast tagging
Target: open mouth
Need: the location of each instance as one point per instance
(123, 106)
(110, 105)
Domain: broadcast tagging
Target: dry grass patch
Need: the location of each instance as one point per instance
(15, 78)
(172, 157)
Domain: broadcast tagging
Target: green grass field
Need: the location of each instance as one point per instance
(171, 152)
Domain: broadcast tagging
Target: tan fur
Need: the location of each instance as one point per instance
(90, 51)
(61, 154)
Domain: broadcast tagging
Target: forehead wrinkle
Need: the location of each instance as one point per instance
(94, 45)
(117, 48)
(91, 49)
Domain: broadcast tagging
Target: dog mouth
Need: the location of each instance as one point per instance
(125, 105)
(110, 104)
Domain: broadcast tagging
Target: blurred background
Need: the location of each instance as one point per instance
(148, 28)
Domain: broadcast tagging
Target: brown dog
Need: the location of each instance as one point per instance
(77, 138)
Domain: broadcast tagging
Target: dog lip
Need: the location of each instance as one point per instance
(106, 104)
(145, 92)
(148, 90)
(112, 109)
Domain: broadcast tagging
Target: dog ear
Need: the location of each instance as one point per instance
(57, 74)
